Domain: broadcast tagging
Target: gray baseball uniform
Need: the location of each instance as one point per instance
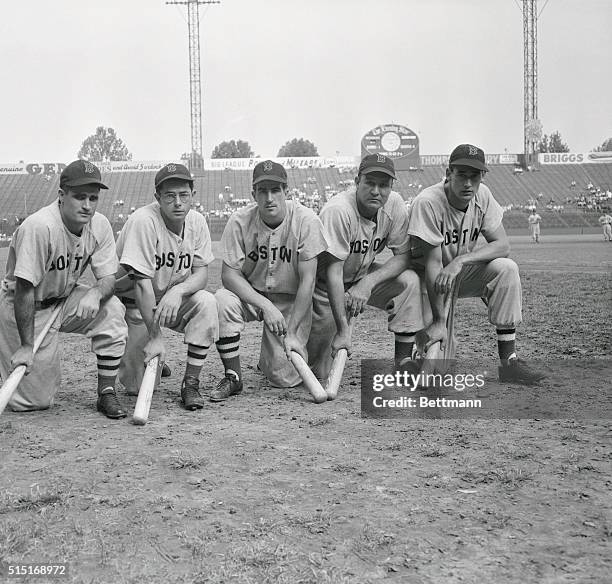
(357, 242)
(53, 259)
(436, 222)
(268, 258)
(148, 249)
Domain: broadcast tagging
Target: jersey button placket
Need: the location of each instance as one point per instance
(273, 243)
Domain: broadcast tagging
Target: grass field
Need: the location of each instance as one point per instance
(271, 488)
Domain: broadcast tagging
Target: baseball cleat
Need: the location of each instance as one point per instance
(228, 386)
(109, 405)
(517, 371)
(190, 393)
(409, 365)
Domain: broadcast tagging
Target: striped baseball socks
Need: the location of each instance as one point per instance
(229, 351)
(506, 344)
(195, 360)
(108, 367)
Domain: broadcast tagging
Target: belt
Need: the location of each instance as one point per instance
(127, 301)
(46, 303)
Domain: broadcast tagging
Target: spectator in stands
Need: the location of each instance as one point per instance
(534, 226)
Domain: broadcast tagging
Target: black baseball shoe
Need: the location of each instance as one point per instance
(228, 386)
(409, 365)
(517, 371)
(109, 405)
(190, 393)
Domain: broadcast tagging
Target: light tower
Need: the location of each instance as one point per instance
(532, 126)
(195, 86)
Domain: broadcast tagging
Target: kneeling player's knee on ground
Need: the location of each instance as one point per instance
(41, 403)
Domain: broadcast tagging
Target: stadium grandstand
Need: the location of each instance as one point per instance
(566, 195)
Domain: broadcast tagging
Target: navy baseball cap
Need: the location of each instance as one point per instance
(377, 163)
(468, 155)
(269, 170)
(173, 170)
(79, 173)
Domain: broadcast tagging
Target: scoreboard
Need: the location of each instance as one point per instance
(397, 142)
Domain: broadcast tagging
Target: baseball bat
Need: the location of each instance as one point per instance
(149, 382)
(337, 369)
(435, 359)
(308, 377)
(14, 379)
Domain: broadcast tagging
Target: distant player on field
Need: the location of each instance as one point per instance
(270, 252)
(606, 224)
(534, 220)
(446, 220)
(164, 250)
(49, 252)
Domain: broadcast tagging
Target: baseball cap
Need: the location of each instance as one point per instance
(468, 155)
(79, 173)
(173, 170)
(377, 163)
(269, 170)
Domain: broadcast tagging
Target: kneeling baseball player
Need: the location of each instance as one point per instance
(270, 251)
(360, 223)
(164, 250)
(446, 220)
(49, 252)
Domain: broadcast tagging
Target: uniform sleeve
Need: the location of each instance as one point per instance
(336, 222)
(138, 245)
(493, 215)
(104, 258)
(232, 244)
(398, 240)
(422, 222)
(312, 238)
(31, 243)
(203, 254)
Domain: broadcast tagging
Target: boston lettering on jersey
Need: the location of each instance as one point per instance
(62, 262)
(454, 236)
(362, 245)
(262, 252)
(170, 259)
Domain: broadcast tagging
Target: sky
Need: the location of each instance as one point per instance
(273, 70)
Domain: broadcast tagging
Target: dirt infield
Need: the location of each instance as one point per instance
(269, 487)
